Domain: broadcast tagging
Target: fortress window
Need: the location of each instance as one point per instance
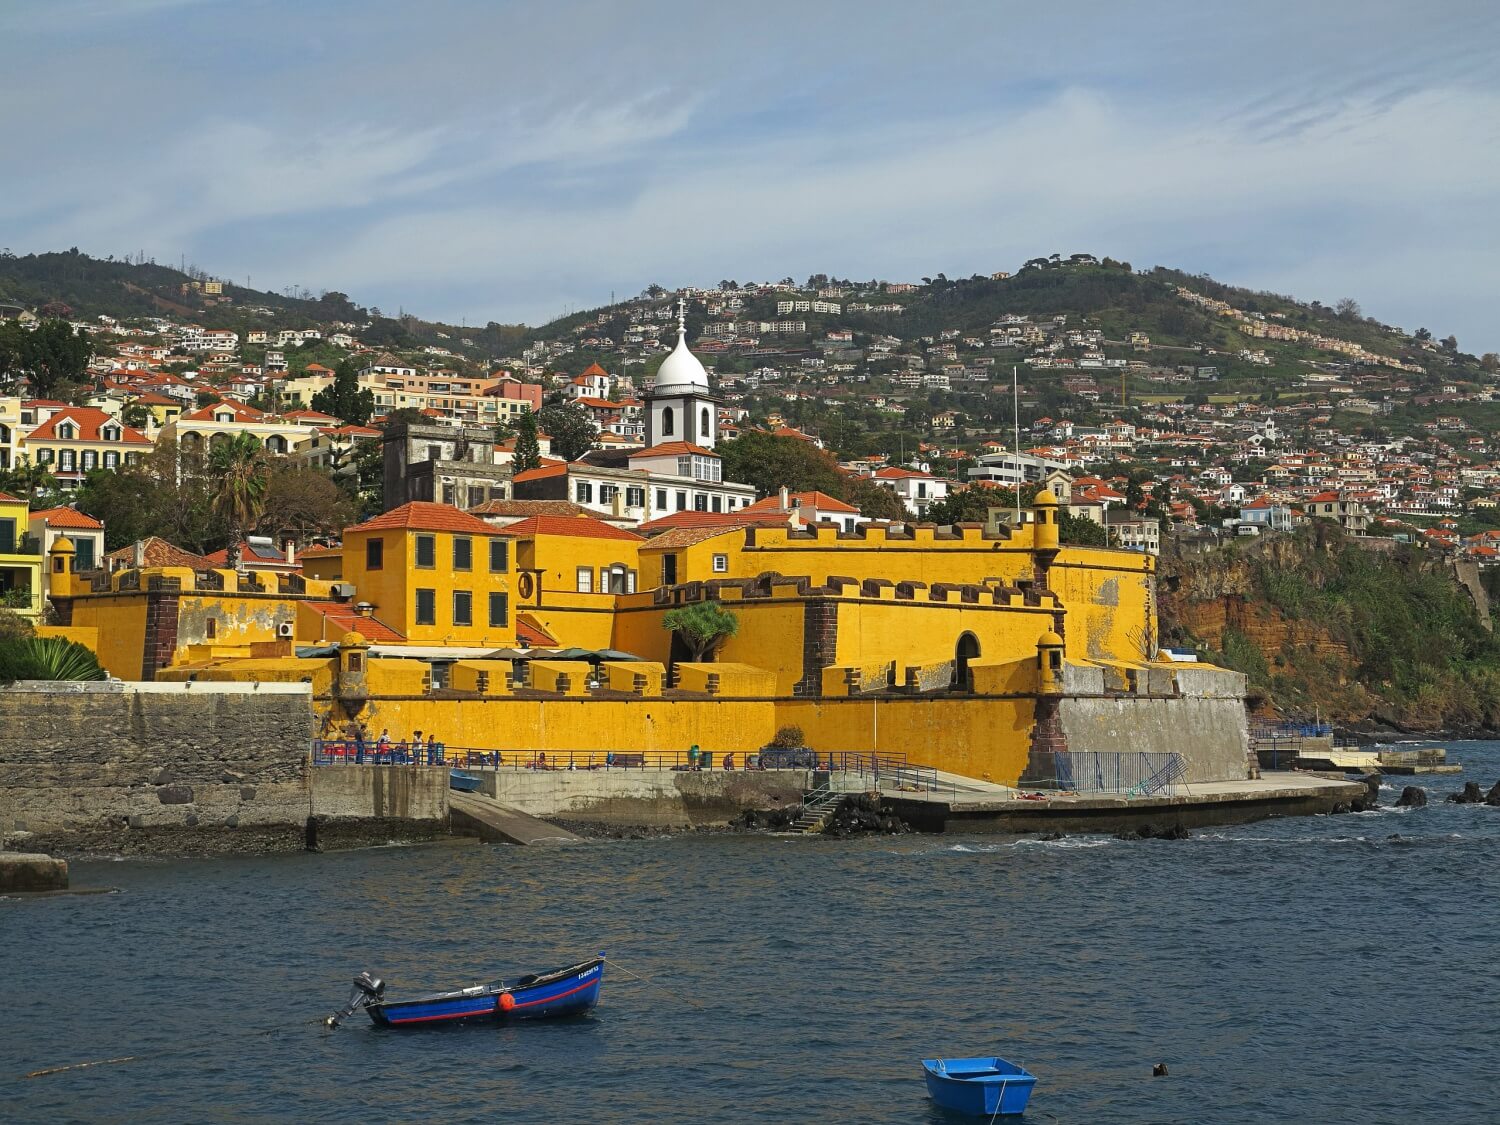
(499, 556)
(499, 611)
(463, 607)
(721, 564)
(356, 662)
(427, 551)
(210, 627)
(374, 554)
(463, 553)
(426, 607)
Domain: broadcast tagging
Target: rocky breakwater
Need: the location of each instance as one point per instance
(1473, 794)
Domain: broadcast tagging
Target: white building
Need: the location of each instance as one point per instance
(919, 490)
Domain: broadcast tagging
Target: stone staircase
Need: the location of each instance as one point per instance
(818, 805)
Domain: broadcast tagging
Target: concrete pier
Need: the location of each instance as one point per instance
(32, 871)
(1198, 805)
(473, 813)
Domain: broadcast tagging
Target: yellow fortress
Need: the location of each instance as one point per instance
(960, 649)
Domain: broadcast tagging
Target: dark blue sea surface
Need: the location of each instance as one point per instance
(1328, 969)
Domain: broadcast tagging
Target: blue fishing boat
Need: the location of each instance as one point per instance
(464, 781)
(569, 991)
(985, 1087)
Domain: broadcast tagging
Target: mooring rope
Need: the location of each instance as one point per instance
(652, 983)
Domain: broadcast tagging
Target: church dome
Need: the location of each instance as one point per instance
(681, 370)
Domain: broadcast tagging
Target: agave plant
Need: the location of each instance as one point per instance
(47, 658)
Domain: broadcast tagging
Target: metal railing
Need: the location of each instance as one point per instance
(1129, 773)
(339, 752)
(886, 773)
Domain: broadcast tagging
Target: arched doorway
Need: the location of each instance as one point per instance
(966, 650)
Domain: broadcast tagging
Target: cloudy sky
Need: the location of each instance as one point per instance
(480, 160)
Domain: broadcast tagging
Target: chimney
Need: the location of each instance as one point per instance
(140, 554)
(291, 552)
(786, 498)
(618, 506)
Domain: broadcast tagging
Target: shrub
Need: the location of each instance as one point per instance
(788, 738)
(47, 658)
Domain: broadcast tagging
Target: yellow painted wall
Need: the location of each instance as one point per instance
(279, 670)
(976, 737)
(1111, 613)
(569, 677)
(465, 675)
(574, 617)
(733, 679)
(328, 566)
(919, 632)
(625, 674)
(583, 725)
(88, 638)
(119, 620)
(392, 589)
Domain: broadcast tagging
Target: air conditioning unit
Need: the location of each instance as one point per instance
(285, 630)
(343, 589)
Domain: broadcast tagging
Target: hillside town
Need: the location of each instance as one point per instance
(1145, 435)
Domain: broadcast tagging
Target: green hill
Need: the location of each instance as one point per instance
(1352, 631)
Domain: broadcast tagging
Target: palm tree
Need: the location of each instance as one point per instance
(240, 496)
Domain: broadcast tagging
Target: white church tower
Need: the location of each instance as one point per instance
(680, 406)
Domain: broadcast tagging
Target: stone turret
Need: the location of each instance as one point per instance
(60, 563)
(1044, 534)
(351, 688)
(1049, 663)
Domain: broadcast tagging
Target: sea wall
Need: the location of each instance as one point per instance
(93, 765)
(648, 797)
(1209, 733)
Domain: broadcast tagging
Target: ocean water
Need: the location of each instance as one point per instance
(1325, 969)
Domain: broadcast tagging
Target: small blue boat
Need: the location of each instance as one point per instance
(985, 1087)
(569, 991)
(464, 782)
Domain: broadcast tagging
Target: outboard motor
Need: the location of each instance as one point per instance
(366, 990)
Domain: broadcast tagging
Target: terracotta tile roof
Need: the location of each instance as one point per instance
(343, 619)
(309, 416)
(593, 369)
(523, 508)
(68, 517)
(580, 527)
(243, 412)
(349, 431)
(151, 398)
(541, 473)
(894, 473)
(88, 419)
(424, 515)
(533, 632)
(158, 552)
(674, 448)
(687, 536)
(818, 500)
(319, 550)
(7, 498)
(742, 518)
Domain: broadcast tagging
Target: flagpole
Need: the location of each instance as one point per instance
(1015, 386)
